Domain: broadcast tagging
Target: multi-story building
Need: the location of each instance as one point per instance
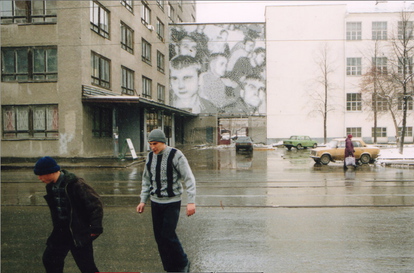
(305, 43)
(80, 77)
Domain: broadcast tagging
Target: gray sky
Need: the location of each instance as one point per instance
(254, 11)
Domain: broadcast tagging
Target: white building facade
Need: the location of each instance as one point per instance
(305, 44)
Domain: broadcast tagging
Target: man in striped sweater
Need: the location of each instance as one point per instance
(165, 168)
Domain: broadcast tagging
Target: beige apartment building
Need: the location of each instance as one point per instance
(79, 78)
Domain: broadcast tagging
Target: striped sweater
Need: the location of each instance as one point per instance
(164, 176)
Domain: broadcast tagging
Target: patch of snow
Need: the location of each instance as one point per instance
(388, 153)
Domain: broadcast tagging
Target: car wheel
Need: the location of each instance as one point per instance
(299, 146)
(315, 145)
(365, 158)
(325, 159)
(289, 147)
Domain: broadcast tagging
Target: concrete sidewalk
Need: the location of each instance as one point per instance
(270, 240)
(20, 163)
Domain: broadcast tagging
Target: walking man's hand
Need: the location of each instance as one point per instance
(191, 208)
(140, 207)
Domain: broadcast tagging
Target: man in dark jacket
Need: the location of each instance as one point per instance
(77, 213)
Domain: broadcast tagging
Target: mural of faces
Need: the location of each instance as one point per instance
(231, 59)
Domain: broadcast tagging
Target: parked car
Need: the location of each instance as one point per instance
(244, 143)
(299, 142)
(335, 151)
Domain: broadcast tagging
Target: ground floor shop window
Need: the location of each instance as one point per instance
(153, 121)
(30, 121)
(102, 122)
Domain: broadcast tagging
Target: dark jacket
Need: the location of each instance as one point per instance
(349, 147)
(85, 212)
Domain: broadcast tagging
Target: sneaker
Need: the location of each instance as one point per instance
(187, 267)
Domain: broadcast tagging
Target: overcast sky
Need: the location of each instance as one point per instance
(254, 11)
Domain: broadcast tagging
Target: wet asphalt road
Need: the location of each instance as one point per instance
(273, 211)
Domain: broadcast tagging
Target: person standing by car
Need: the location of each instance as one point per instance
(165, 168)
(77, 213)
(349, 150)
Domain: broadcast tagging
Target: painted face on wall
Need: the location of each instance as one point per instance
(260, 58)
(184, 82)
(253, 92)
(218, 66)
(249, 46)
(188, 47)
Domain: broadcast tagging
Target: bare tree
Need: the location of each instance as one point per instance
(402, 72)
(381, 95)
(389, 81)
(369, 86)
(321, 96)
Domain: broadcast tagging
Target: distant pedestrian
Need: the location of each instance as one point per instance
(77, 213)
(349, 151)
(161, 181)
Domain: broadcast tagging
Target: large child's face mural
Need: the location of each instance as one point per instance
(227, 55)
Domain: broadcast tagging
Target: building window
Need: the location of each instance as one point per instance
(353, 31)
(167, 126)
(127, 85)
(171, 12)
(146, 51)
(354, 131)
(128, 4)
(127, 38)
(379, 31)
(40, 11)
(160, 4)
(27, 64)
(153, 121)
(409, 103)
(405, 30)
(408, 131)
(380, 132)
(160, 30)
(406, 63)
(102, 122)
(353, 102)
(161, 93)
(146, 87)
(100, 70)
(145, 13)
(160, 61)
(99, 19)
(380, 64)
(380, 102)
(353, 66)
(30, 121)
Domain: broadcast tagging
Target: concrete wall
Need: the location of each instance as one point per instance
(296, 36)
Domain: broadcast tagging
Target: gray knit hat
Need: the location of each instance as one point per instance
(157, 135)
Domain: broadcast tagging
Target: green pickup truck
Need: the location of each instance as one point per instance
(299, 142)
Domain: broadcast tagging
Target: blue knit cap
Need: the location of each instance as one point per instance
(46, 165)
(157, 135)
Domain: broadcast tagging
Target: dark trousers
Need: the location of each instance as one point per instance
(164, 219)
(59, 244)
